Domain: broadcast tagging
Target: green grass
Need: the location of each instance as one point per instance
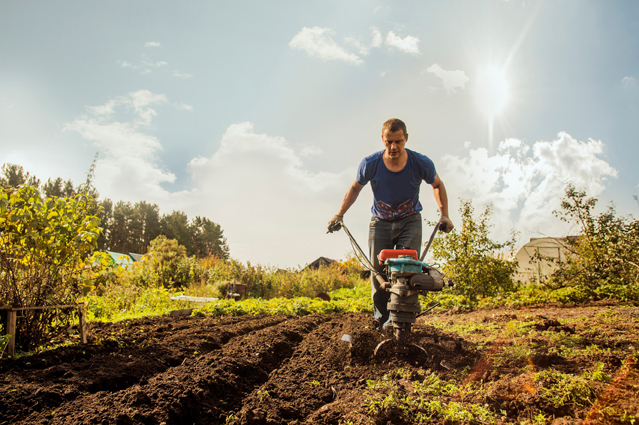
(426, 399)
(123, 303)
(561, 389)
(296, 306)
(127, 302)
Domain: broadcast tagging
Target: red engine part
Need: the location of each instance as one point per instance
(385, 254)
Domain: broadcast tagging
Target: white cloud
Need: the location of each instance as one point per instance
(361, 48)
(408, 44)
(156, 64)
(376, 41)
(146, 65)
(184, 106)
(268, 203)
(377, 37)
(125, 64)
(152, 44)
(127, 168)
(307, 150)
(241, 141)
(524, 183)
(317, 42)
(178, 74)
(140, 67)
(272, 208)
(629, 81)
(451, 80)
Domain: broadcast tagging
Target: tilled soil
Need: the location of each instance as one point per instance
(284, 369)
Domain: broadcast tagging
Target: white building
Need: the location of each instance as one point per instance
(537, 271)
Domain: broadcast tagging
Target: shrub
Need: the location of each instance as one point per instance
(603, 260)
(270, 282)
(167, 259)
(44, 249)
(471, 257)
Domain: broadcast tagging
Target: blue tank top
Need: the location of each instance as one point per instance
(396, 194)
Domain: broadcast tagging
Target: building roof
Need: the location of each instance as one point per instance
(120, 259)
(321, 261)
(136, 257)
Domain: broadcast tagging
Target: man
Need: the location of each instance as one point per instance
(395, 174)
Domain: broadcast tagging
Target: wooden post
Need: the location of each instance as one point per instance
(83, 330)
(11, 330)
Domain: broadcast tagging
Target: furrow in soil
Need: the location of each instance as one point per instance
(199, 390)
(321, 380)
(117, 357)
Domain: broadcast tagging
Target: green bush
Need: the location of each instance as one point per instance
(602, 261)
(125, 302)
(173, 269)
(44, 250)
(562, 389)
(270, 282)
(471, 258)
(294, 306)
(146, 286)
(119, 302)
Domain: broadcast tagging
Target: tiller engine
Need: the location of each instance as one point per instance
(408, 277)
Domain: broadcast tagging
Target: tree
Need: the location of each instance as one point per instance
(472, 259)
(176, 226)
(129, 227)
(44, 247)
(14, 175)
(169, 258)
(208, 239)
(145, 225)
(120, 238)
(606, 251)
(58, 188)
(105, 215)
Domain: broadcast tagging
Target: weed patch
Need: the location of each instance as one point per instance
(561, 389)
(424, 400)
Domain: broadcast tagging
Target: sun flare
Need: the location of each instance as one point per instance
(492, 91)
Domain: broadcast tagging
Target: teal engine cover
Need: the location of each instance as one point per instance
(405, 265)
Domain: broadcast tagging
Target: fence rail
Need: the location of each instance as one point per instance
(12, 317)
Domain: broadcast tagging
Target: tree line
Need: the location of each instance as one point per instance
(128, 227)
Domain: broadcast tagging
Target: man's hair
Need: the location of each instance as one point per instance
(394, 124)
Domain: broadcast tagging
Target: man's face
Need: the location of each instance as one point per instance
(394, 142)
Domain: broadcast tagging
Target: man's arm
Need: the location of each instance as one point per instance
(351, 195)
(441, 197)
(439, 192)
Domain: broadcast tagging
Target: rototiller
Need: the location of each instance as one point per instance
(408, 277)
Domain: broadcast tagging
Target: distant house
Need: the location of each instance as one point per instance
(136, 257)
(119, 259)
(320, 262)
(549, 250)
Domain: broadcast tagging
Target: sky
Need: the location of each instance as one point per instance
(256, 114)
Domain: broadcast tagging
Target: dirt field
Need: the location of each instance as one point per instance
(280, 370)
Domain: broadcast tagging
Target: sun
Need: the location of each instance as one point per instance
(492, 91)
(491, 95)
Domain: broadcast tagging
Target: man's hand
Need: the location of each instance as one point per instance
(335, 223)
(445, 225)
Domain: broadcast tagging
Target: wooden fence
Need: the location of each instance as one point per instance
(12, 317)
